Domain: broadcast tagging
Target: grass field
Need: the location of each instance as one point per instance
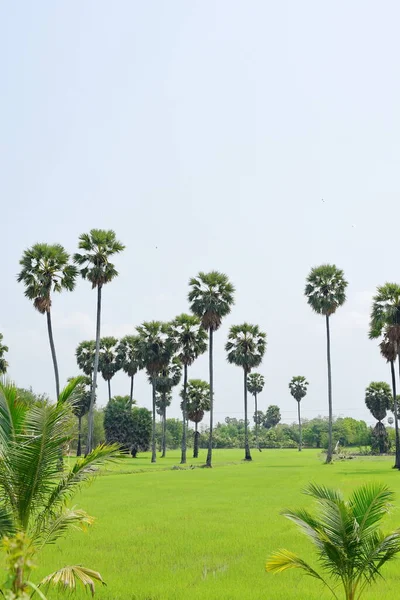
(164, 534)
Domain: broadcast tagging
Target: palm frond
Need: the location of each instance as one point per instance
(67, 394)
(68, 577)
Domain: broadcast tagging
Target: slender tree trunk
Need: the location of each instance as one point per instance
(131, 393)
(153, 433)
(53, 354)
(196, 441)
(396, 420)
(247, 455)
(298, 412)
(184, 420)
(164, 431)
(211, 375)
(89, 446)
(256, 421)
(328, 356)
(79, 449)
(109, 389)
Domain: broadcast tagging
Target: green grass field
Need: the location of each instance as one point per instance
(163, 534)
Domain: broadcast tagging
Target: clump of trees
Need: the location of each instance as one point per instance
(126, 425)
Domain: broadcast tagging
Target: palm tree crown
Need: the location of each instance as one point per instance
(85, 356)
(198, 398)
(298, 387)
(246, 346)
(378, 399)
(98, 246)
(255, 383)
(326, 289)
(211, 298)
(3, 351)
(385, 311)
(189, 337)
(155, 346)
(128, 355)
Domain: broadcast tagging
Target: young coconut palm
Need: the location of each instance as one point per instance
(97, 247)
(379, 399)
(246, 348)
(108, 360)
(155, 350)
(169, 377)
(191, 341)
(211, 298)
(351, 547)
(325, 292)
(198, 402)
(34, 510)
(3, 362)
(128, 360)
(255, 385)
(46, 269)
(298, 389)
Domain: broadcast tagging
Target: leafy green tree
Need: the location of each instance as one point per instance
(3, 351)
(129, 427)
(97, 248)
(80, 406)
(169, 377)
(245, 348)
(325, 292)
(298, 389)
(108, 360)
(46, 269)
(255, 385)
(191, 341)
(272, 416)
(34, 493)
(211, 298)
(128, 359)
(351, 547)
(155, 348)
(378, 399)
(198, 402)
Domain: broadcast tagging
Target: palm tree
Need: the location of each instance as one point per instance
(325, 292)
(169, 377)
(379, 399)
(85, 353)
(298, 389)
(163, 400)
(211, 298)
(98, 247)
(35, 494)
(197, 403)
(46, 269)
(108, 360)
(80, 406)
(245, 348)
(128, 359)
(350, 545)
(155, 349)
(255, 385)
(191, 340)
(385, 319)
(3, 362)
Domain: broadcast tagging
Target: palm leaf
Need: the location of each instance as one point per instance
(68, 577)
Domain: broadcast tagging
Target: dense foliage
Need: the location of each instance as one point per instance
(129, 427)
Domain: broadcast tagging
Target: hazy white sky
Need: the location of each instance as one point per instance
(205, 133)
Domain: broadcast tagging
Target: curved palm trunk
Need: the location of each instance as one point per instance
(109, 389)
(153, 433)
(211, 375)
(164, 432)
(53, 354)
(396, 420)
(298, 413)
(328, 356)
(79, 449)
(184, 420)
(131, 393)
(196, 441)
(89, 445)
(247, 455)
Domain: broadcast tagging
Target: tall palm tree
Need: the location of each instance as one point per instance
(3, 362)
(350, 545)
(46, 269)
(191, 341)
(97, 247)
(197, 403)
(211, 298)
(34, 507)
(255, 385)
(298, 388)
(325, 292)
(108, 360)
(155, 348)
(385, 319)
(165, 381)
(128, 360)
(81, 405)
(246, 348)
(379, 399)
(163, 401)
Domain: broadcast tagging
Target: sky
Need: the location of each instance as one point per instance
(206, 134)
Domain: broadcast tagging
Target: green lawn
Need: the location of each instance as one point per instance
(200, 534)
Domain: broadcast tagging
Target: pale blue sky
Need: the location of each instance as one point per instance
(212, 130)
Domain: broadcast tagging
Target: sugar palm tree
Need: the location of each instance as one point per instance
(197, 403)
(255, 385)
(379, 399)
(128, 360)
(351, 547)
(246, 348)
(163, 401)
(85, 353)
(109, 364)
(97, 248)
(46, 269)
(81, 405)
(191, 341)
(34, 494)
(298, 388)
(388, 350)
(325, 292)
(211, 298)
(3, 351)
(155, 349)
(165, 381)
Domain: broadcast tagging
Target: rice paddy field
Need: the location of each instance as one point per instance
(169, 534)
